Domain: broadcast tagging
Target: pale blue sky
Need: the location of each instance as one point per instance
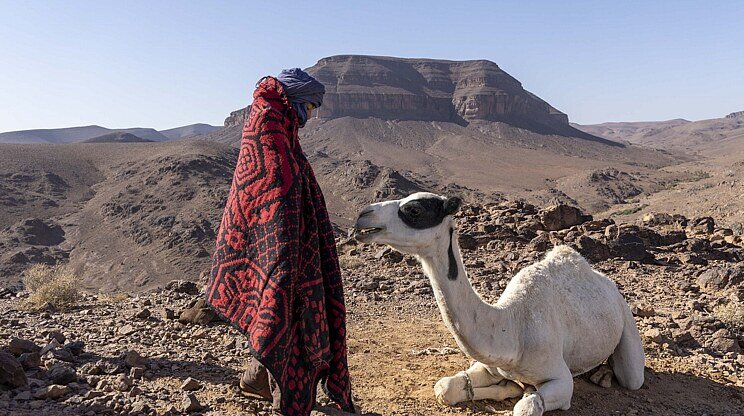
(163, 64)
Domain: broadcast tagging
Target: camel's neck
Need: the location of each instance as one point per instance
(484, 332)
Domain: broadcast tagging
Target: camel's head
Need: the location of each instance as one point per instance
(411, 225)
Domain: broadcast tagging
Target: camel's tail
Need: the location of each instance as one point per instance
(628, 360)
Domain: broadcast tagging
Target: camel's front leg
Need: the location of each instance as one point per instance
(551, 395)
(475, 383)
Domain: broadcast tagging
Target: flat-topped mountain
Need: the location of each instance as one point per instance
(407, 89)
(427, 89)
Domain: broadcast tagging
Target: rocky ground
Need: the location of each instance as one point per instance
(130, 354)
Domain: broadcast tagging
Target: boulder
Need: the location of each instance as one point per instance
(190, 403)
(62, 374)
(720, 278)
(593, 249)
(703, 225)
(19, 346)
(182, 286)
(11, 371)
(559, 217)
(198, 313)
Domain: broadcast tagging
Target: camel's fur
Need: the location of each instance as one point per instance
(556, 318)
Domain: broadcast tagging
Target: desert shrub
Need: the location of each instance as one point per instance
(731, 313)
(54, 286)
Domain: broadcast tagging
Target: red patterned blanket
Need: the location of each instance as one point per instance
(275, 273)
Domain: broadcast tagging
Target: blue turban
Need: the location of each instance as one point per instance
(301, 88)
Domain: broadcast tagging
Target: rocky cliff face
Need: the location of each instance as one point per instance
(425, 89)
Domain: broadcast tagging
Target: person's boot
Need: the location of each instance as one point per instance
(255, 381)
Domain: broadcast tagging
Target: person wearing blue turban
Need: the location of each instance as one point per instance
(275, 272)
(304, 92)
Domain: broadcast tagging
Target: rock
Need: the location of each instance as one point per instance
(654, 335)
(92, 394)
(140, 407)
(393, 256)
(11, 371)
(692, 258)
(643, 310)
(540, 243)
(60, 337)
(190, 385)
(182, 286)
(62, 374)
(63, 355)
(656, 219)
(198, 313)
(133, 359)
(76, 348)
(593, 249)
(143, 314)
(625, 242)
(92, 369)
(23, 396)
(127, 330)
(167, 314)
(30, 360)
(123, 383)
(467, 242)
(190, 404)
(703, 225)
(55, 391)
(137, 373)
(19, 346)
(719, 278)
(52, 345)
(559, 217)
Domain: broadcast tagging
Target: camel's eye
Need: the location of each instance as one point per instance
(414, 211)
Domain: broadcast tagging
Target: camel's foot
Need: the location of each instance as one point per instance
(603, 376)
(531, 404)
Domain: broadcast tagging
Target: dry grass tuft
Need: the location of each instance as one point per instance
(116, 297)
(50, 286)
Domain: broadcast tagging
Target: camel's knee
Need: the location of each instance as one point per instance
(481, 375)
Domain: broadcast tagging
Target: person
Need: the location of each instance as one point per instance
(275, 274)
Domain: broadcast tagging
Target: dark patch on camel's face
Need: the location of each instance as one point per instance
(452, 272)
(426, 213)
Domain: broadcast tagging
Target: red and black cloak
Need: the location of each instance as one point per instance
(275, 272)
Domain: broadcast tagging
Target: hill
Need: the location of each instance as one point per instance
(186, 131)
(118, 137)
(676, 135)
(75, 134)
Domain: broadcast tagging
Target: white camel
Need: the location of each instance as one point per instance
(556, 318)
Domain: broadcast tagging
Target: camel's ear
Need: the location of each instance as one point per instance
(451, 205)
